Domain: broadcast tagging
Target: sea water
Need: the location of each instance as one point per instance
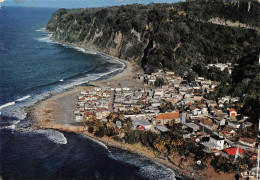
(32, 68)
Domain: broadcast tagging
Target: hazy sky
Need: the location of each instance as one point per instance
(77, 3)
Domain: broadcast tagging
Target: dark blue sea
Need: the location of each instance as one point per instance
(33, 68)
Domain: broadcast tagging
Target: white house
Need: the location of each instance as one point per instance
(78, 118)
(193, 126)
(234, 124)
(214, 143)
(142, 124)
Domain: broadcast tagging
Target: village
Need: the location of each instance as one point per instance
(167, 99)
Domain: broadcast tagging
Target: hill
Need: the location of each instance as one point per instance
(182, 37)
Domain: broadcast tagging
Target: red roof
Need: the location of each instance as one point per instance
(231, 110)
(174, 115)
(233, 151)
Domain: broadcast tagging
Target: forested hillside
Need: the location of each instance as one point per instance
(183, 37)
(173, 36)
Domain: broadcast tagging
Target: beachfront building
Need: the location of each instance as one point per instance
(166, 118)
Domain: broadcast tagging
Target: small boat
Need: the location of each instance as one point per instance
(61, 80)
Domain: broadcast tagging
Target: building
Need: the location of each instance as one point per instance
(248, 142)
(183, 117)
(214, 143)
(220, 121)
(233, 151)
(234, 124)
(142, 124)
(118, 124)
(193, 126)
(218, 141)
(161, 128)
(232, 112)
(208, 123)
(166, 118)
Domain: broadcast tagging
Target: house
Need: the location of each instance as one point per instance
(228, 131)
(186, 136)
(220, 121)
(193, 126)
(165, 118)
(214, 143)
(234, 99)
(159, 92)
(161, 128)
(232, 112)
(248, 142)
(211, 103)
(234, 124)
(225, 99)
(118, 124)
(196, 112)
(102, 113)
(208, 123)
(183, 117)
(142, 124)
(233, 151)
(88, 115)
(78, 118)
(247, 124)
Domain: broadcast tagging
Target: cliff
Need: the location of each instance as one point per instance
(171, 36)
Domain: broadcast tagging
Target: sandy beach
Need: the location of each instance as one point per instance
(56, 112)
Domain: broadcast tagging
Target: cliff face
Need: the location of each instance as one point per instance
(171, 36)
(105, 30)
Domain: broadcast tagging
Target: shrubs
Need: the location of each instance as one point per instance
(100, 132)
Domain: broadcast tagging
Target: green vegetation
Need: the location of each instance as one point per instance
(159, 82)
(226, 165)
(169, 36)
(176, 37)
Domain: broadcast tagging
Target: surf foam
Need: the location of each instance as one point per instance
(147, 169)
(53, 135)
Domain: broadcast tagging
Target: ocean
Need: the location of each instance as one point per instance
(33, 68)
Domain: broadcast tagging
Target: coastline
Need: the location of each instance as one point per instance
(42, 113)
(45, 114)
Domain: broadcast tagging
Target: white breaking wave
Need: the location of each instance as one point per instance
(47, 39)
(13, 102)
(110, 72)
(147, 170)
(41, 30)
(8, 127)
(23, 98)
(101, 144)
(13, 109)
(54, 136)
(7, 104)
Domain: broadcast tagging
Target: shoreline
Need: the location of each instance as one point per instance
(37, 116)
(43, 118)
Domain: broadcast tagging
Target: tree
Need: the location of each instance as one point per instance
(100, 132)
(191, 76)
(159, 82)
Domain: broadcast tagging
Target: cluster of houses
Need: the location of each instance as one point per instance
(212, 124)
(93, 104)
